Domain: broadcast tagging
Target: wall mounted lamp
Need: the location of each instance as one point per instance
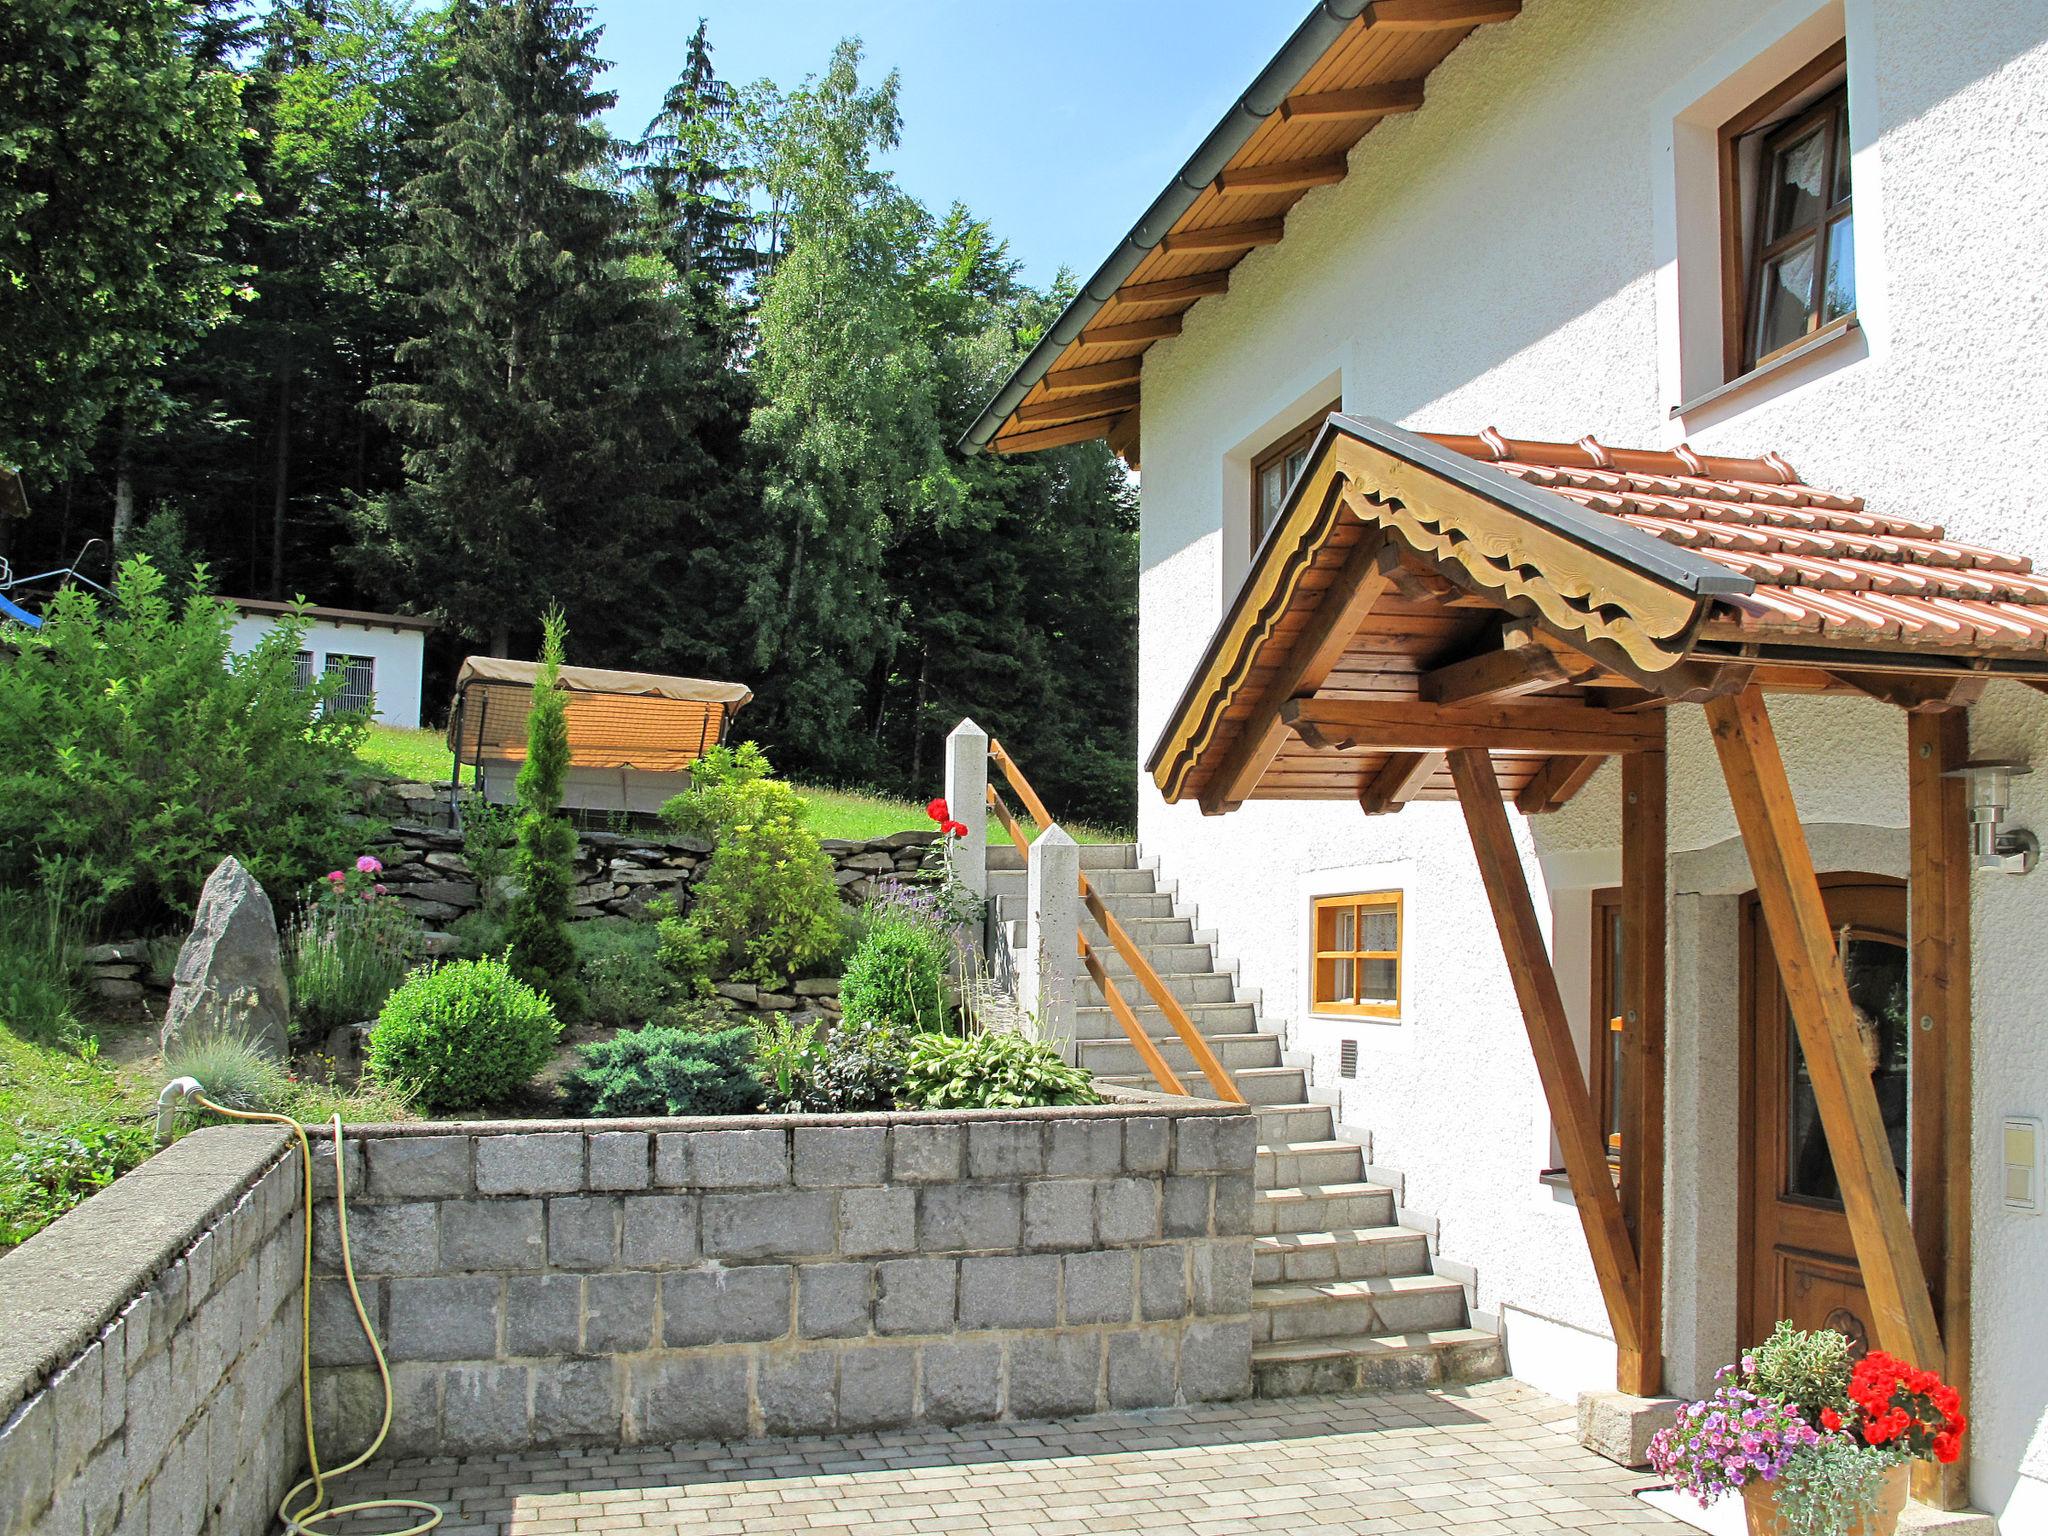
(1990, 797)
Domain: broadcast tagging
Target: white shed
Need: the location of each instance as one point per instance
(381, 655)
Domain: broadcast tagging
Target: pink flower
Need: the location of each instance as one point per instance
(368, 865)
(382, 891)
(336, 876)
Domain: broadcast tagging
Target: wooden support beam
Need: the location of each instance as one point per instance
(1158, 328)
(1551, 787)
(1051, 437)
(1938, 895)
(1073, 381)
(1563, 730)
(1550, 1038)
(1789, 893)
(1175, 290)
(1643, 896)
(1498, 674)
(1282, 176)
(1438, 15)
(1223, 237)
(1954, 690)
(1106, 402)
(1123, 438)
(1363, 103)
(1399, 781)
(1360, 583)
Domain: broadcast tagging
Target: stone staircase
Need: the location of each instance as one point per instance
(1344, 1298)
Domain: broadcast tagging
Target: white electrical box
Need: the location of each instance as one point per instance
(2023, 1171)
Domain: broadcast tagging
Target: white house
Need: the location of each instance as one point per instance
(381, 656)
(1691, 359)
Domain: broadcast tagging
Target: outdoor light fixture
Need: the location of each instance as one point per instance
(1990, 782)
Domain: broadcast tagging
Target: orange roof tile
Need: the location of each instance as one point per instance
(1825, 565)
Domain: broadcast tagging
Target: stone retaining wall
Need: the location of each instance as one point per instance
(149, 1363)
(540, 1285)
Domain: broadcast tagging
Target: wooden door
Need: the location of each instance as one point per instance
(1797, 1258)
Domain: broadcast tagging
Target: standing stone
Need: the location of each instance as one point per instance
(229, 978)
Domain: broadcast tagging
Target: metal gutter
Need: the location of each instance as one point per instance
(1311, 40)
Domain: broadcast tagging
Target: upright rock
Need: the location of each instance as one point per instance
(230, 974)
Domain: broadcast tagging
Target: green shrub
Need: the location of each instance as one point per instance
(136, 748)
(38, 970)
(462, 1034)
(787, 1056)
(996, 1070)
(490, 836)
(860, 1069)
(624, 982)
(665, 1069)
(479, 933)
(544, 863)
(766, 905)
(897, 976)
(234, 1073)
(1810, 1371)
(52, 1171)
(350, 947)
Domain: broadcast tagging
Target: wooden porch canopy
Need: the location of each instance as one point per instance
(1484, 619)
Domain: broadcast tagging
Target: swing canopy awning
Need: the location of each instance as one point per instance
(638, 720)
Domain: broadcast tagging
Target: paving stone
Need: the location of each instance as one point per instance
(963, 1381)
(1236, 1194)
(1009, 1291)
(771, 1224)
(1222, 1277)
(925, 1154)
(1059, 1213)
(876, 1385)
(1184, 1204)
(529, 1163)
(1099, 1287)
(583, 1231)
(1053, 1374)
(619, 1161)
(543, 1314)
(1215, 1361)
(798, 1392)
(873, 1221)
(747, 1304)
(493, 1235)
(957, 1218)
(417, 1167)
(442, 1317)
(337, 1332)
(618, 1313)
(1005, 1149)
(382, 1239)
(1085, 1148)
(839, 1156)
(834, 1301)
(660, 1231)
(915, 1295)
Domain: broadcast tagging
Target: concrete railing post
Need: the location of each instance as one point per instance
(1052, 906)
(967, 799)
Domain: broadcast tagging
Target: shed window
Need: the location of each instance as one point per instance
(358, 682)
(1357, 957)
(304, 665)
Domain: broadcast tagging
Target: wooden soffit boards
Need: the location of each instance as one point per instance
(1606, 590)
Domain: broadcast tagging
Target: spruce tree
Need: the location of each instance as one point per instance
(544, 863)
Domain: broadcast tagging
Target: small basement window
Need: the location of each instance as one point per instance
(1275, 471)
(1788, 216)
(1356, 963)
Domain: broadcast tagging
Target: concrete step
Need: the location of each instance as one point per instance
(1169, 959)
(1187, 986)
(1094, 856)
(1356, 1253)
(1295, 1122)
(1129, 906)
(1259, 1085)
(1321, 1207)
(1338, 1308)
(1119, 1058)
(1294, 1163)
(1384, 1362)
(1209, 1018)
(1107, 882)
(1151, 934)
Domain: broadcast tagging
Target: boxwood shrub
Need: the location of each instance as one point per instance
(463, 1034)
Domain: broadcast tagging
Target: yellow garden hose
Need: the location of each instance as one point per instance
(310, 1513)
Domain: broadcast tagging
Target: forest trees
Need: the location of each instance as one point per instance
(427, 333)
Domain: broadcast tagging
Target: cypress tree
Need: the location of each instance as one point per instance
(544, 863)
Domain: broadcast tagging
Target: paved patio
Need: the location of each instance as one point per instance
(1486, 1460)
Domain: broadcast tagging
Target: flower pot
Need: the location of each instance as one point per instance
(1760, 1504)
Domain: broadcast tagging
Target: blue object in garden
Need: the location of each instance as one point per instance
(13, 610)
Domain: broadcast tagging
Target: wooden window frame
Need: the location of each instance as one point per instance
(1279, 453)
(1601, 1078)
(1743, 255)
(1358, 901)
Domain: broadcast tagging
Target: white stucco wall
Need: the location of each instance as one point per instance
(1500, 258)
(399, 655)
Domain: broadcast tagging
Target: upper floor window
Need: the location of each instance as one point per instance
(1791, 268)
(1275, 471)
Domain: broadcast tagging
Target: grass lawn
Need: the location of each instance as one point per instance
(854, 815)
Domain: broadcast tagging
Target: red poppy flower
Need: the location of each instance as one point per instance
(955, 829)
(938, 810)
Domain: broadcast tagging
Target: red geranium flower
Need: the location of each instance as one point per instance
(938, 810)
(1946, 1447)
(1829, 1419)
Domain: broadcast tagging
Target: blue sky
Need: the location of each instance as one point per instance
(1057, 120)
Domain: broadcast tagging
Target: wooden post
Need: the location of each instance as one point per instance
(1818, 996)
(1939, 895)
(1550, 1037)
(1643, 908)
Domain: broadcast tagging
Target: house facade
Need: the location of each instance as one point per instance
(381, 656)
(1793, 253)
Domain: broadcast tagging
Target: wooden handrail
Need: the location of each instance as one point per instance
(1155, 986)
(1154, 1062)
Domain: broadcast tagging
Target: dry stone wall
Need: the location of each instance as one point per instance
(149, 1364)
(569, 1283)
